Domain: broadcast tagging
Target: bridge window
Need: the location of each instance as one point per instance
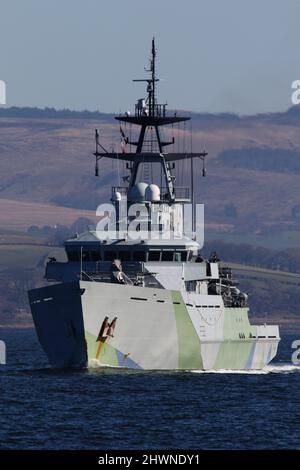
(125, 255)
(139, 256)
(180, 255)
(154, 255)
(95, 256)
(167, 255)
(110, 255)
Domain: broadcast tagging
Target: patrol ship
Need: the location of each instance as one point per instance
(136, 292)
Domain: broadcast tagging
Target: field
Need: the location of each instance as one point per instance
(275, 241)
(17, 257)
(50, 161)
(19, 215)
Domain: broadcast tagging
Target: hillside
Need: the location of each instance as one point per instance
(19, 215)
(46, 157)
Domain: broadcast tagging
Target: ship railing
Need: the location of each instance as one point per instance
(181, 192)
(123, 190)
(143, 110)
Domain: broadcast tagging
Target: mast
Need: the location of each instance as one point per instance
(151, 114)
(153, 72)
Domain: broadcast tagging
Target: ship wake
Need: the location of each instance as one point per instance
(270, 369)
(283, 368)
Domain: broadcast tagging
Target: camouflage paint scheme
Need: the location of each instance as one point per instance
(162, 329)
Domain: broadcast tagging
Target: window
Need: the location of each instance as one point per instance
(208, 270)
(125, 255)
(190, 286)
(154, 255)
(167, 255)
(180, 255)
(139, 256)
(95, 256)
(184, 256)
(110, 255)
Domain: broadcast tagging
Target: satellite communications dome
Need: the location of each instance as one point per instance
(137, 192)
(152, 193)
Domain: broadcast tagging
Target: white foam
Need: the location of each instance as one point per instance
(270, 369)
(95, 364)
(229, 371)
(282, 368)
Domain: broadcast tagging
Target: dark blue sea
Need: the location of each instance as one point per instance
(115, 409)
